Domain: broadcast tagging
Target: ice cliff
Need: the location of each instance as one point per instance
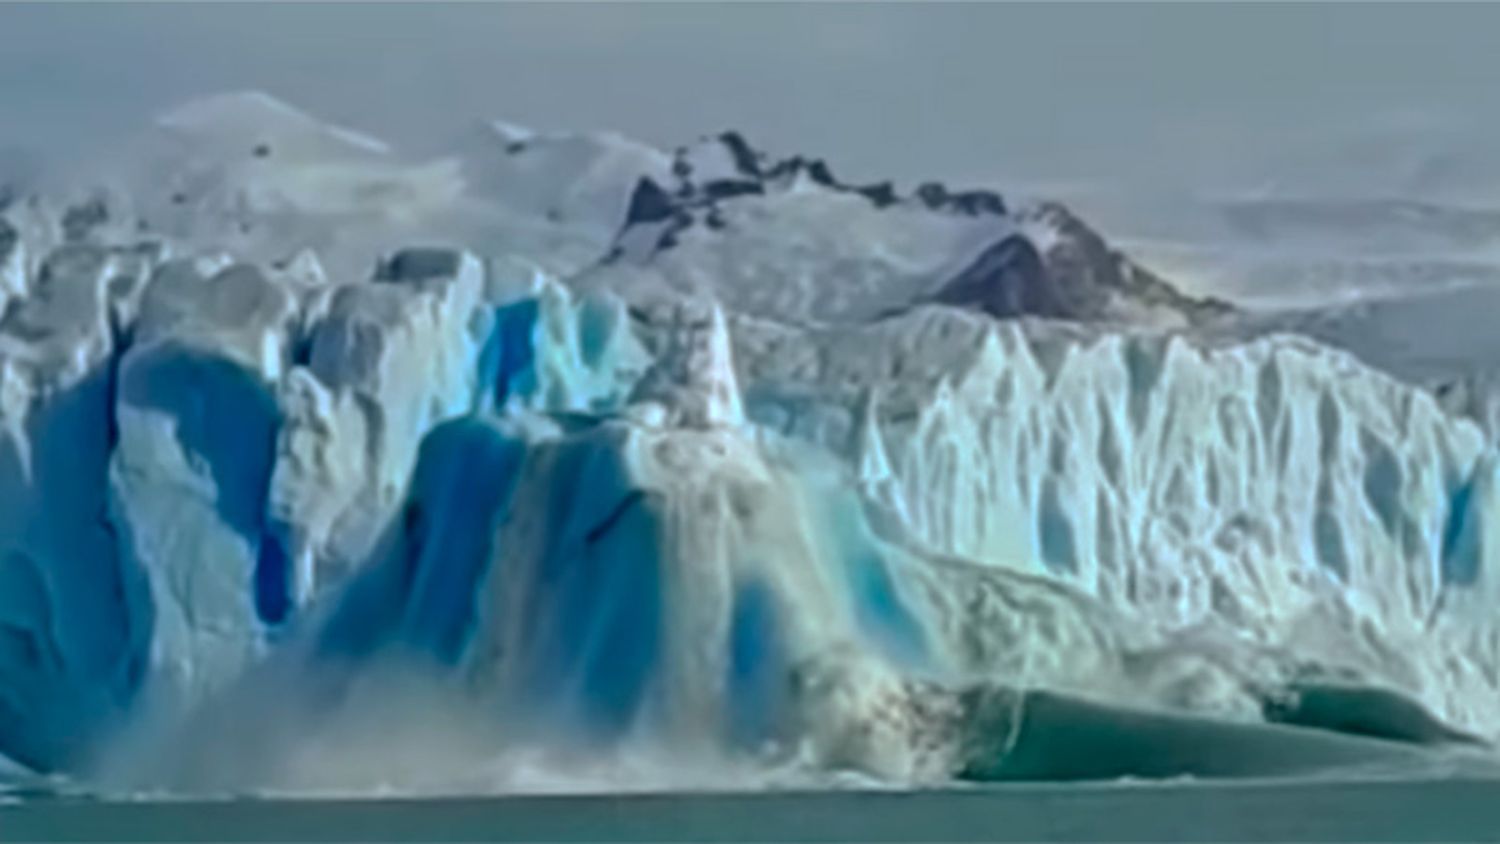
(742, 481)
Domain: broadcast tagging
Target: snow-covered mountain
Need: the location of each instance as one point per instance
(563, 442)
(788, 240)
(1367, 271)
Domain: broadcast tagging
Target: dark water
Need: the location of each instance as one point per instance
(1412, 810)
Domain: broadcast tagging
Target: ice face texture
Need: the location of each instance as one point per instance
(915, 484)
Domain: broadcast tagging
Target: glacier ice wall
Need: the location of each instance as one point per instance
(77, 623)
(850, 519)
(196, 419)
(195, 447)
(1276, 489)
(665, 569)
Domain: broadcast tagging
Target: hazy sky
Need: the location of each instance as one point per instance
(908, 90)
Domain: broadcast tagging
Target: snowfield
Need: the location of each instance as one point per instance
(564, 444)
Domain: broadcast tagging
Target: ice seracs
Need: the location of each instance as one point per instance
(552, 351)
(693, 382)
(13, 269)
(76, 617)
(196, 419)
(386, 362)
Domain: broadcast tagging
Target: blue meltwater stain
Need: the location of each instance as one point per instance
(507, 360)
(1460, 560)
(882, 614)
(595, 618)
(757, 666)
(273, 581)
(465, 478)
(429, 569)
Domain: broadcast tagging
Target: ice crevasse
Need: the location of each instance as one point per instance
(866, 539)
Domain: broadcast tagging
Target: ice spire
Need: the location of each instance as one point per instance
(693, 379)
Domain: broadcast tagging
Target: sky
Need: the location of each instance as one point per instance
(1050, 94)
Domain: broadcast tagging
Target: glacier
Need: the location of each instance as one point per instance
(566, 443)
